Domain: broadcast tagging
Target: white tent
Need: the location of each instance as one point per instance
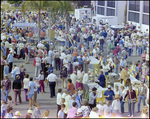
(24, 25)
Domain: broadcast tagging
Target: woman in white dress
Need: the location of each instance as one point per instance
(134, 47)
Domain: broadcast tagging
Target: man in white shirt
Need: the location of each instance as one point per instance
(58, 101)
(116, 105)
(108, 109)
(62, 48)
(37, 65)
(52, 79)
(67, 103)
(86, 62)
(62, 57)
(40, 45)
(50, 55)
(100, 107)
(85, 81)
(74, 77)
(16, 71)
(64, 94)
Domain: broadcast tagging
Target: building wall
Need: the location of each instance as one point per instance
(119, 12)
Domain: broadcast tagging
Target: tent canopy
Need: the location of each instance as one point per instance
(24, 25)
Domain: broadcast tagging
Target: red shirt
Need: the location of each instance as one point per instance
(132, 93)
(70, 86)
(14, 41)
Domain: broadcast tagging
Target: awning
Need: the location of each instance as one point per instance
(24, 25)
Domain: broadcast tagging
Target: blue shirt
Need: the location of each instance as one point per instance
(137, 69)
(110, 93)
(78, 98)
(101, 78)
(17, 37)
(10, 58)
(77, 101)
(31, 85)
(50, 69)
(80, 59)
(122, 63)
(121, 42)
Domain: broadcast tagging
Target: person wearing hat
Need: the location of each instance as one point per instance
(29, 113)
(109, 94)
(116, 105)
(17, 114)
(92, 98)
(100, 107)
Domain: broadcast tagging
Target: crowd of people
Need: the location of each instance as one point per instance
(90, 40)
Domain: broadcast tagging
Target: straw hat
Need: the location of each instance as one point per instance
(117, 97)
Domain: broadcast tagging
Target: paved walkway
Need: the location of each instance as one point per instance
(45, 101)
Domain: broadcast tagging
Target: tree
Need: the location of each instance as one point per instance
(15, 2)
(125, 13)
(65, 7)
(36, 5)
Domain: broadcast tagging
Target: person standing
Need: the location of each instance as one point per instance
(74, 100)
(30, 93)
(50, 55)
(26, 55)
(57, 60)
(7, 83)
(36, 111)
(86, 62)
(81, 62)
(101, 79)
(10, 61)
(63, 76)
(116, 61)
(41, 81)
(6, 71)
(58, 101)
(85, 81)
(131, 100)
(122, 95)
(70, 86)
(52, 80)
(134, 47)
(17, 89)
(2, 67)
(29, 50)
(108, 109)
(74, 78)
(109, 94)
(142, 92)
(123, 63)
(25, 85)
(37, 65)
(115, 105)
(92, 98)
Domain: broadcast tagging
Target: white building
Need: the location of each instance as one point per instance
(137, 11)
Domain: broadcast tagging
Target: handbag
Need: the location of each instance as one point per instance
(132, 100)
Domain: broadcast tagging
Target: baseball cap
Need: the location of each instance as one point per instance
(30, 111)
(109, 86)
(17, 113)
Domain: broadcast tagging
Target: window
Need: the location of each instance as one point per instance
(110, 12)
(100, 10)
(111, 4)
(102, 3)
(133, 17)
(134, 5)
(146, 6)
(145, 19)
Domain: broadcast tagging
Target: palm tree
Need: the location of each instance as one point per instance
(53, 6)
(65, 7)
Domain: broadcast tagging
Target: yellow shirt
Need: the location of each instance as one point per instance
(133, 68)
